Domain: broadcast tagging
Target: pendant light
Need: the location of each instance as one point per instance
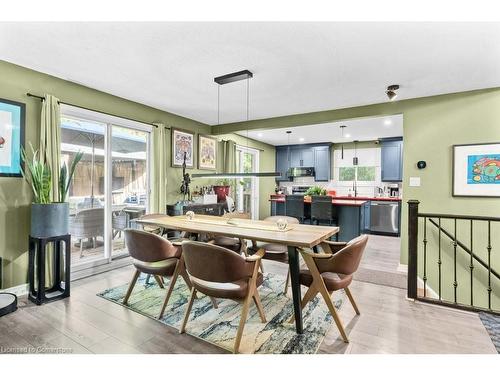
(222, 80)
(355, 158)
(342, 144)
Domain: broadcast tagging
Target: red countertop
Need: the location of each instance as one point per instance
(336, 202)
(281, 197)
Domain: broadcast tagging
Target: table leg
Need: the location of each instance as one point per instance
(293, 262)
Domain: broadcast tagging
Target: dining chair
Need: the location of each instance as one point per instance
(275, 251)
(237, 245)
(221, 273)
(155, 255)
(169, 234)
(294, 207)
(330, 271)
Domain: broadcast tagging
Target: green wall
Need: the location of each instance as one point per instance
(431, 126)
(15, 197)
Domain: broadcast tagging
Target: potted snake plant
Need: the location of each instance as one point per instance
(48, 218)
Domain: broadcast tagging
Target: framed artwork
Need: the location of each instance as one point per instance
(12, 124)
(182, 143)
(476, 170)
(207, 152)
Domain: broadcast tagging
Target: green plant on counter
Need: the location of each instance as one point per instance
(38, 176)
(315, 190)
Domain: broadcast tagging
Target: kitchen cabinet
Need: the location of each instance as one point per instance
(365, 222)
(313, 155)
(322, 165)
(392, 160)
(282, 163)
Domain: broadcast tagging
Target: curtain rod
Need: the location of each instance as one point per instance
(90, 109)
(237, 144)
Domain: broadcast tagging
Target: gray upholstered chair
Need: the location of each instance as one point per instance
(87, 224)
(221, 273)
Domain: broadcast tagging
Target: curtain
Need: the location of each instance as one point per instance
(229, 156)
(50, 152)
(50, 140)
(158, 180)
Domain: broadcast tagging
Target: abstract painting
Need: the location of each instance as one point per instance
(182, 144)
(476, 170)
(207, 152)
(12, 123)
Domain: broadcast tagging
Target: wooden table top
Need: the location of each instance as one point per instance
(299, 235)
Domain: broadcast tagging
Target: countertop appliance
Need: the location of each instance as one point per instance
(299, 190)
(301, 172)
(384, 217)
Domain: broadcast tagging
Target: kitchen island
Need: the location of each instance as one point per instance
(349, 213)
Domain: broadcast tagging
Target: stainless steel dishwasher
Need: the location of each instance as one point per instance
(384, 217)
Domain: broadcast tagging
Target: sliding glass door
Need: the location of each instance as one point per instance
(110, 185)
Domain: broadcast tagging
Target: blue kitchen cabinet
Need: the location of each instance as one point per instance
(313, 155)
(322, 164)
(366, 217)
(392, 160)
(282, 162)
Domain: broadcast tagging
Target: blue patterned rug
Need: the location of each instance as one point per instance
(492, 324)
(219, 326)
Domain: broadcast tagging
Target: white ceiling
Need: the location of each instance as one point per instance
(298, 67)
(362, 129)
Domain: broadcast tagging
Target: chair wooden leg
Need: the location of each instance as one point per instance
(188, 310)
(287, 282)
(333, 311)
(214, 303)
(243, 320)
(159, 281)
(173, 280)
(351, 298)
(258, 304)
(81, 248)
(131, 286)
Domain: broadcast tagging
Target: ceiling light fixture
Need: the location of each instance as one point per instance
(387, 122)
(391, 91)
(222, 80)
(301, 139)
(342, 145)
(260, 135)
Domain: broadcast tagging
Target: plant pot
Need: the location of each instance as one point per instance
(222, 192)
(49, 220)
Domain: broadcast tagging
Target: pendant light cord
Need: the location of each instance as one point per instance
(218, 104)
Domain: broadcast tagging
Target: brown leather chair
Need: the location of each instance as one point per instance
(331, 271)
(276, 251)
(237, 245)
(155, 255)
(221, 273)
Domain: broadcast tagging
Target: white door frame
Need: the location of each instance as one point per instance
(109, 121)
(254, 195)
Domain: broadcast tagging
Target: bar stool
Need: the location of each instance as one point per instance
(294, 207)
(322, 210)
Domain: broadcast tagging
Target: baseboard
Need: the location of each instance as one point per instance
(403, 268)
(18, 290)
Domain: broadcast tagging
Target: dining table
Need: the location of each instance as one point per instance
(294, 236)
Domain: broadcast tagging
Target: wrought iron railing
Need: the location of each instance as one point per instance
(436, 222)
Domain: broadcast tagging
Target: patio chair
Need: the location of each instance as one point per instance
(88, 223)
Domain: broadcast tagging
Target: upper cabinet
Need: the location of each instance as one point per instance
(317, 156)
(392, 159)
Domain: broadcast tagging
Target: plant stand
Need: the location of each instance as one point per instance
(37, 252)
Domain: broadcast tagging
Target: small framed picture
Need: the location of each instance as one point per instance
(182, 144)
(476, 170)
(12, 124)
(207, 152)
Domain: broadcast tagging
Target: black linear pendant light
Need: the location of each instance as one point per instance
(222, 80)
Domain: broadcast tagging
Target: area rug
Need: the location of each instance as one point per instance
(219, 326)
(492, 324)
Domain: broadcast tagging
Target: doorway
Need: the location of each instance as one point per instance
(247, 189)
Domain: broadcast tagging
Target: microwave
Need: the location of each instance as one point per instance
(301, 172)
